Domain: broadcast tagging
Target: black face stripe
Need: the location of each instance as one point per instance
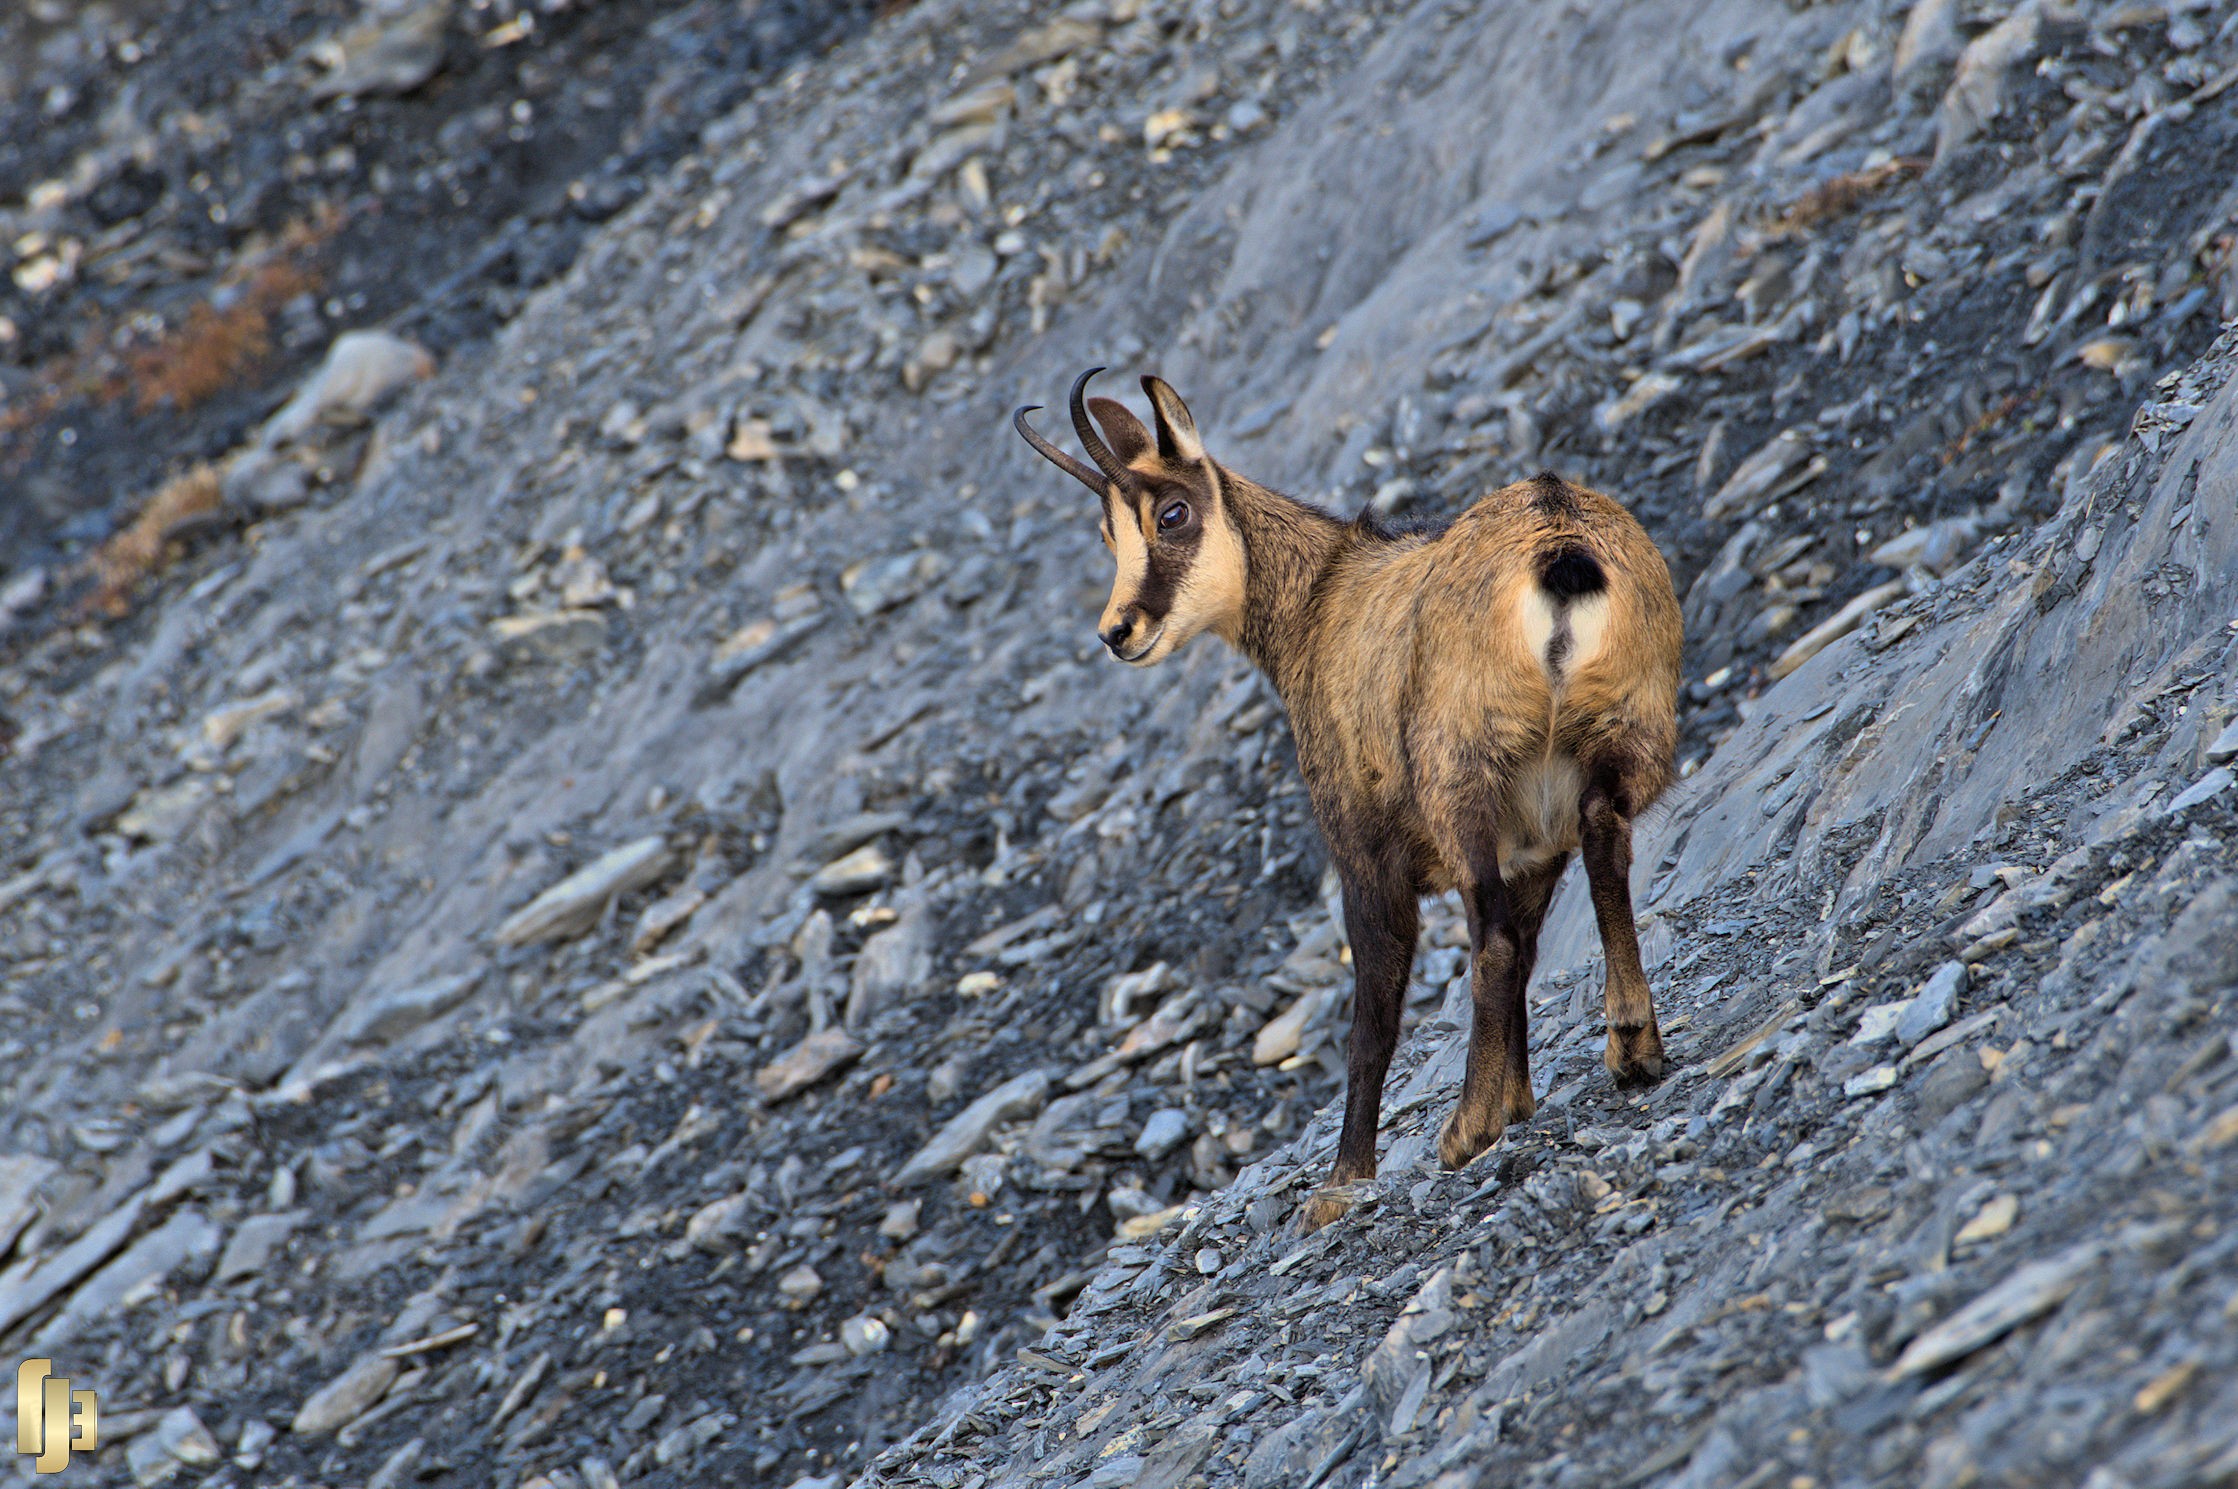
(1168, 555)
(1169, 562)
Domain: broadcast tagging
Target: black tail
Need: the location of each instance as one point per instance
(1569, 572)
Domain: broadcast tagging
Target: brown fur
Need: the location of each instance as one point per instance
(1459, 725)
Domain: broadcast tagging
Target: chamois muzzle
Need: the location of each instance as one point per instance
(1115, 476)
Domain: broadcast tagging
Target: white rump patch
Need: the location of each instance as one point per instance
(1538, 620)
(1563, 634)
(1589, 622)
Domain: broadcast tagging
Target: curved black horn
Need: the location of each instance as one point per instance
(1106, 462)
(1053, 455)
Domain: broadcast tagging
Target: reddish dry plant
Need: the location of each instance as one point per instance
(1989, 419)
(215, 348)
(192, 362)
(145, 545)
(1842, 195)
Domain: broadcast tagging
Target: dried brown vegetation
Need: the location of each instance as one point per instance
(220, 343)
(214, 348)
(1988, 419)
(145, 544)
(1842, 195)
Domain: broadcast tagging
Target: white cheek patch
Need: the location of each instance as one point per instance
(1210, 595)
(1134, 562)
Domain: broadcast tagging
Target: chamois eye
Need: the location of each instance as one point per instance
(1173, 516)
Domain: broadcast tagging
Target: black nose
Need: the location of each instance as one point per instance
(1115, 636)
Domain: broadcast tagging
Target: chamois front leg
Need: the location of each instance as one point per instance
(1380, 916)
(1635, 1049)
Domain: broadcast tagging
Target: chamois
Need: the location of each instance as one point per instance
(1470, 704)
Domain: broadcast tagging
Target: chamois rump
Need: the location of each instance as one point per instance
(1471, 704)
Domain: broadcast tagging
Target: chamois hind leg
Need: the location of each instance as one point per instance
(1529, 894)
(1635, 1049)
(1496, 956)
(1381, 915)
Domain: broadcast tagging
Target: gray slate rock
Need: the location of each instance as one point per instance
(1165, 1131)
(343, 1399)
(391, 1015)
(573, 905)
(397, 1469)
(1932, 1006)
(186, 1235)
(21, 1175)
(2030, 1291)
(2209, 786)
(254, 1240)
(176, 1443)
(864, 869)
(966, 1133)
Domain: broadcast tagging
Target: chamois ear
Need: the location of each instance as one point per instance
(1177, 431)
(1126, 433)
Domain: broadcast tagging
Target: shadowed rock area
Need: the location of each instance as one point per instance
(599, 916)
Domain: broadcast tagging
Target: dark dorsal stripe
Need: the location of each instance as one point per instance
(1552, 495)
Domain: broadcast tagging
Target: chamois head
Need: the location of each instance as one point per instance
(1166, 518)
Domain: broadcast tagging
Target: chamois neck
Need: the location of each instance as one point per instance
(1288, 548)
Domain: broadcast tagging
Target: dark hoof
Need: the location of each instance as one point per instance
(1333, 1200)
(1461, 1142)
(1635, 1056)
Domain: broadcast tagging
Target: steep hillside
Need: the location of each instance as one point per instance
(614, 924)
(1819, 1252)
(199, 198)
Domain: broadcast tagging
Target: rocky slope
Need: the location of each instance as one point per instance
(196, 205)
(624, 931)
